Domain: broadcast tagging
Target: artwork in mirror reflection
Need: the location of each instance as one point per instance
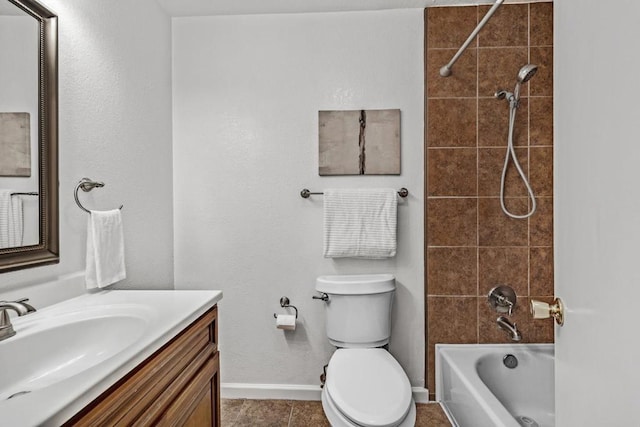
(15, 144)
(19, 160)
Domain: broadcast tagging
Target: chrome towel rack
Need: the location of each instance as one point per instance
(87, 185)
(305, 193)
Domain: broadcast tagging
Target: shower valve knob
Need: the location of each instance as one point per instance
(502, 299)
(543, 310)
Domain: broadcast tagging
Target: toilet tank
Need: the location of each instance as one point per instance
(358, 312)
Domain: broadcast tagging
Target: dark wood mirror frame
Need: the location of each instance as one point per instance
(47, 250)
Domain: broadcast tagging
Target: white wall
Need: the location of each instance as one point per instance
(597, 214)
(246, 91)
(115, 126)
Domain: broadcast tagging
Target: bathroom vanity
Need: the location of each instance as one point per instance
(115, 358)
(178, 385)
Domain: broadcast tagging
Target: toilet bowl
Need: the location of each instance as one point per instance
(365, 386)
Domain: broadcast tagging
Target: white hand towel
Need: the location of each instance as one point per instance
(105, 249)
(11, 220)
(360, 223)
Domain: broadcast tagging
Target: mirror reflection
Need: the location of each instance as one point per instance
(19, 150)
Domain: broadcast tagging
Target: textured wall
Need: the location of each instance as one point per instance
(247, 91)
(115, 126)
(471, 244)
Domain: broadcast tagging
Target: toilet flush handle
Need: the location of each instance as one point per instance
(323, 296)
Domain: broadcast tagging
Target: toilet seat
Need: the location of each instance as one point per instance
(337, 419)
(368, 387)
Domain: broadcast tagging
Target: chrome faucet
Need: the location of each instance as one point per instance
(21, 307)
(511, 328)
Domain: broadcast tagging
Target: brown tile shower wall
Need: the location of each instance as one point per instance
(471, 244)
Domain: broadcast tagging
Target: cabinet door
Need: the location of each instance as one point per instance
(198, 404)
(203, 414)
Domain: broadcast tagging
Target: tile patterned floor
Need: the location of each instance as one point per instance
(298, 413)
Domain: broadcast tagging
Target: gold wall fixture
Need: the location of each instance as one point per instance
(543, 310)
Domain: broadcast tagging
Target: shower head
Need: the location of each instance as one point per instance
(524, 75)
(526, 72)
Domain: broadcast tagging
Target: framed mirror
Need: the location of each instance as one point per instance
(29, 223)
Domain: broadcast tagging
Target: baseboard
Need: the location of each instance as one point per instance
(270, 391)
(420, 394)
(290, 392)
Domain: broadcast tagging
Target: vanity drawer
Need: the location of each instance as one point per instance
(167, 387)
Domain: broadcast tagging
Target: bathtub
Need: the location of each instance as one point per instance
(477, 389)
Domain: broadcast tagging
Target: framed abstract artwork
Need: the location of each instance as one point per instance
(359, 142)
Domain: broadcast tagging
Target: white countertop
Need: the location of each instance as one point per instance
(163, 313)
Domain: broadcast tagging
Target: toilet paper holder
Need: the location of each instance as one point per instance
(284, 302)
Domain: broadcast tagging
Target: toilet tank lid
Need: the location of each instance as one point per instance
(356, 284)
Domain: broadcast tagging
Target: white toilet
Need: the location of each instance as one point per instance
(365, 386)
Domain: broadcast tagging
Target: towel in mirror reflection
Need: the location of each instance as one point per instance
(11, 220)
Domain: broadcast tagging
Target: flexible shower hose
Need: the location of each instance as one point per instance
(513, 108)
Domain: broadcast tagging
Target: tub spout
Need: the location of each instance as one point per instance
(511, 328)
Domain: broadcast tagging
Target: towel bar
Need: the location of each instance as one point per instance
(30, 193)
(305, 193)
(87, 185)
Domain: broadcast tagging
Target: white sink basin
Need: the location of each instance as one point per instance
(66, 355)
(51, 349)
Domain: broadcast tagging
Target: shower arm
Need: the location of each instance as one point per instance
(446, 70)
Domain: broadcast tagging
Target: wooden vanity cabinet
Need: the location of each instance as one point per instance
(179, 385)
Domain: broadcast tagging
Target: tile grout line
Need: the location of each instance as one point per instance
(290, 414)
(440, 98)
(491, 247)
(529, 151)
(477, 178)
(525, 197)
(427, 143)
(237, 417)
(454, 49)
(494, 147)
